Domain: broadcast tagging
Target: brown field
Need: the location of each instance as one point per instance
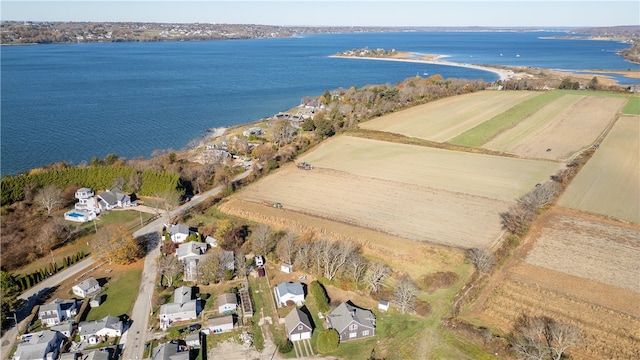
(566, 126)
(609, 184)
(396, 208)
(444, 119)
(493, 177)
(575, 268)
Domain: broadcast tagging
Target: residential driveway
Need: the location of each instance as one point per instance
(31, 295)
(137, 334)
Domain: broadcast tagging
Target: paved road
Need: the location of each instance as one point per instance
(31, 296)
(135, 338)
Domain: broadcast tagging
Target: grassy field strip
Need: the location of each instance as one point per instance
(446, 118)
(633, 106)
(484, 132)
(494, 177)
(509, 138)
(591, 250)
(609, 184)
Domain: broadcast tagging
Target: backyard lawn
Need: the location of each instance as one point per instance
(121, 290)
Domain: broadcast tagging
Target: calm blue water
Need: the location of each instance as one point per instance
(74, 102)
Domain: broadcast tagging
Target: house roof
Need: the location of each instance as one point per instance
(87, 284)
(37, 345)
(227, 298)
(346, 313)
(178, 229)
(64, 304)
(182, 295)
(112, 196)
(173, 308)
(220, 320)
(191, 248)
(92, 327)
(169, 351)
(296, 317)
(292, 288)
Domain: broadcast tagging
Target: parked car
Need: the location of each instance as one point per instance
(194, 327)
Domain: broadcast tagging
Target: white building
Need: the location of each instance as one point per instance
(289, 291)
(182, 308)
(86, 288)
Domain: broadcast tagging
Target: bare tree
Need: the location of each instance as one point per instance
(516, 220)
(209, 269)
(540, 196)
(335, 256)
(135, 182)
(282, 131)
(539, 337)
(50, 197)
(116, 245)
(242, 268)
(357, 268)
(261, 242)
(286, 248)
(168, 199)
(119, 182)
(303, 256)
(405, 294)
(375, 274)
(482, 259)
(169, 268)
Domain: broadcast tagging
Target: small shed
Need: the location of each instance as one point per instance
(193, 340)
(95, 301)
(383, 305)
(286, 268)
(220, 324)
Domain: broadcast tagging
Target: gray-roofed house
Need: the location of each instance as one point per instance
(298, 325)
(65, 328)
(113, 198)
(86, 287)
(170, 351)
(92, 331)
(227, 303)
(190, 250)
(219, 324)
(179, 233)
(43, 345)
(57, 311)
(352, 322)
(91, 355)
(193, 340)
(182, 308)
(289, 291)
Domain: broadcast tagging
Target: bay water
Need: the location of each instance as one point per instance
(72, 102)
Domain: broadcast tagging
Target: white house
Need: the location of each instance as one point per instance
(182, 308)
(92, 331)
(289, 291)
(219, 324)
(43, 345)
(86, 287)
(286, 268)
(86, 200)
(113, 198)
(298, 325)
(57, 311)
(227, 303)
(191, 249)
(179, 233)
(170, 351)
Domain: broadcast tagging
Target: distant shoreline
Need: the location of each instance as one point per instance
(436, 60)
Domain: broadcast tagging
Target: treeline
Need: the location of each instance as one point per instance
(147, 182)
(26, 281)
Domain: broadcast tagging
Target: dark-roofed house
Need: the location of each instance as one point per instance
(42, 345)
(289, 291)
(182, 308)
(352, 322)
(86, 287)
(57, 311)
(92, 331)
(298, 325)
(227, 303)
(170, 351)
(113, 198)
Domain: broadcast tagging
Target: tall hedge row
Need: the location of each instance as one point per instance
(94, 177)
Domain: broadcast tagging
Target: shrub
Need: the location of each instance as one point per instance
(328, 340)
(319, 295)
(285, 346)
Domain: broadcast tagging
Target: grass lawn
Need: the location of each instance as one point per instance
(121, 291)
(633, 106)
(484, 132)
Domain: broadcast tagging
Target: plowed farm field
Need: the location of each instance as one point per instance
(580, 269)
(444, 119)
(561, 128)
(609, 184)
(417, 193)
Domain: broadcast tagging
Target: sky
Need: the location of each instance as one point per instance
(500, 13)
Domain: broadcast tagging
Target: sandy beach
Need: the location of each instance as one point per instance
(436, 60)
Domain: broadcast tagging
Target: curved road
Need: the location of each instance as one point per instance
(135, 338)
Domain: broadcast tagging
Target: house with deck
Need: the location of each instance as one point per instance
(41, 345)
(93, 331)
(182, 308)
(57, 311)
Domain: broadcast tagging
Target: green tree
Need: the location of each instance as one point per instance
(328, 340)
(319, 295)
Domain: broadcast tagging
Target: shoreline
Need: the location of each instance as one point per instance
(436, 60)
